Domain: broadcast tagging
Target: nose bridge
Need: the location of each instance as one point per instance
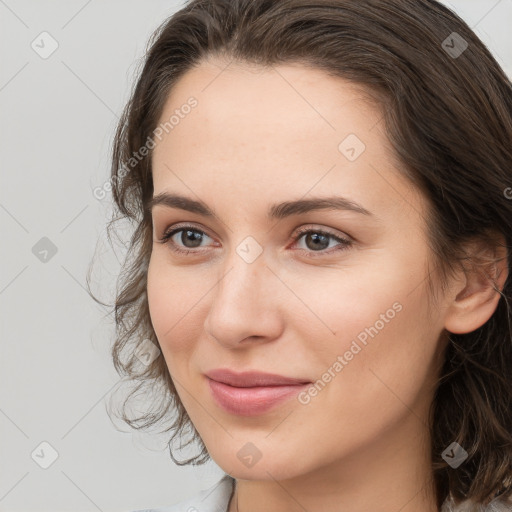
(242, 280)
(242, 303)
(245, 270)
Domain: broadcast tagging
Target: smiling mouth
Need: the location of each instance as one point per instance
(252, 393)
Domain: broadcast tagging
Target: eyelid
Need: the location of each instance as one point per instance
(299, 231)
(311, 227)
(170, 231)
(185, 225)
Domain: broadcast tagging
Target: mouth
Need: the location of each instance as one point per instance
(252, 393)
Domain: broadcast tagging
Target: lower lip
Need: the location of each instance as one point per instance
(252, 401)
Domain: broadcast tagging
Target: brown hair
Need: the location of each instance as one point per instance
(448, 114)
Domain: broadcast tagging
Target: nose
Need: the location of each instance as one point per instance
(246, 304)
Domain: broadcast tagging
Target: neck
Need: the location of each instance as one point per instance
(389, 475)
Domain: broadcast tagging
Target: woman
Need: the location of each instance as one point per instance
(321, 194)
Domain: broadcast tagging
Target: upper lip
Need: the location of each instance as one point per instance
(252, 378)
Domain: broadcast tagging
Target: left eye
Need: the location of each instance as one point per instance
(316, 240)
(319, 240)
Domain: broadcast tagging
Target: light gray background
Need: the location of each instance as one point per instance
(57, 120)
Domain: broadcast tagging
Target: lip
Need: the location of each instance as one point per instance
(251, 393)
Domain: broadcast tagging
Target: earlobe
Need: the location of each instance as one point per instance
(478, 299)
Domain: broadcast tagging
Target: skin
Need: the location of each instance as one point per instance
(263, 136)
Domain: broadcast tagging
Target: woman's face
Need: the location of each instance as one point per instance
(332, 296)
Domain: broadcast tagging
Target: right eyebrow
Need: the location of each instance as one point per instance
(181, 202)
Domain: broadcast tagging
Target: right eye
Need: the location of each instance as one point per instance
(187, 235)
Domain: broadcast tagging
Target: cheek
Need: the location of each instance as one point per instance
(339, 304)
(371, 333)
(381, 379)
(171, 298)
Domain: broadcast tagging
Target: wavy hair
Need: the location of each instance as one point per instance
(447, 107)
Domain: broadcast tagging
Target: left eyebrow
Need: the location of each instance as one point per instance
(276, 211)
(288, 208)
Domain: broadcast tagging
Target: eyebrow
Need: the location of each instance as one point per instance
(276, 211)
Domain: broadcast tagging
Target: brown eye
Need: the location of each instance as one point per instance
(318, 241)
(190, 236)
(188, 239)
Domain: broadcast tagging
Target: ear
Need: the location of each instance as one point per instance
(475, 292)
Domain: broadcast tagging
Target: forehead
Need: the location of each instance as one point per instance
(286, 127)
(295, 100)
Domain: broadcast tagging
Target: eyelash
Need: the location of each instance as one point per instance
(345, 242)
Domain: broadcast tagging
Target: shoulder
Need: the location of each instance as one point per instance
(213, 499)
(497, 505)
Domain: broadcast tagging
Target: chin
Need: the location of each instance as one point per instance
(243, 463)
